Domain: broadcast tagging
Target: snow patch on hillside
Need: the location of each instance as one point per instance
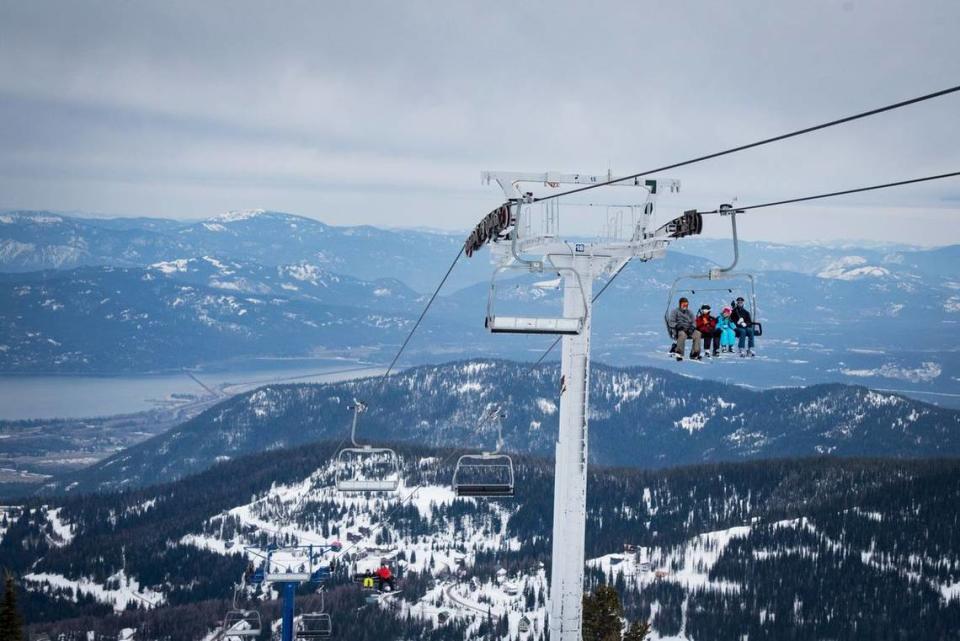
(9, 513)
(927, 372)
(546, 406)
(37, 219)
(950, 592)
(171, 266)
(746, 441)
(127, 590)
(852, 268)
(11, 249)
(688, 566)
(62, 532)
(504, 596)
(263, 402)
(475, 367)
(875, 399)
(220, 266)
(305, 272)
(626, 388)
(693, 423)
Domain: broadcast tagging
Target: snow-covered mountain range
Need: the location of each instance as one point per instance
(31, 241)
(255, 284)
(638, 417)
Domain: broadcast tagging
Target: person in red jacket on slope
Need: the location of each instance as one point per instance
(385, 579)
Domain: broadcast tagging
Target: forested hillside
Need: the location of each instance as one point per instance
(789, 536)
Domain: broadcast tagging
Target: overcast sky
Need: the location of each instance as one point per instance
(385, 113)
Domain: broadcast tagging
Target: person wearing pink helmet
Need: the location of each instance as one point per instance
(728, 330)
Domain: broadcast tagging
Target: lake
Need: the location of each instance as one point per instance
(32, 397)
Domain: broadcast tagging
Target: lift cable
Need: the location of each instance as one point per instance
(772, 204)
(383, 380)
(593, 300)
(385, 519)
(416, 325)
(759, 143)
(839, 193)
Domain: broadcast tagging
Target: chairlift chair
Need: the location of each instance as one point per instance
(678, 289)
(720, 274)
(488, 474)
(351, 462)
(532, 324)
(315, 625)
(238, 622)
(241, 623)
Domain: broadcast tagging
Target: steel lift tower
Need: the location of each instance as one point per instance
(286, 567)
(524, 236)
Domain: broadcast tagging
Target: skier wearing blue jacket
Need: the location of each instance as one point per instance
(728, 330)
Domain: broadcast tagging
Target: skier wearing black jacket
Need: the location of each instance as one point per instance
(744, 327)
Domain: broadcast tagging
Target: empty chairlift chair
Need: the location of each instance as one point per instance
(489, 474)
(364, 468)
(315, 625)
(241, 624)
(528, 324)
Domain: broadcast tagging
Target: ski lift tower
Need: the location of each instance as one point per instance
(524, 235)
(286, 567)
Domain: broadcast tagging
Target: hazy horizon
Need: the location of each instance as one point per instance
(717, 235)
(386, 113)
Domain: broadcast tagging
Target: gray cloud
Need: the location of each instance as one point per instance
(386, 112)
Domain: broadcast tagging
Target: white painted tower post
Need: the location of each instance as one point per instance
(516, 246)
(570, 490)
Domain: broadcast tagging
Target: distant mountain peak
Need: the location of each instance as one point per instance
(852, 268)
(35, 217)
(237, 215)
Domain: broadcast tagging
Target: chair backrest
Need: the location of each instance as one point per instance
(315, 625)
(367, 469)
(241, 623)
(484, 475)
(526, 324)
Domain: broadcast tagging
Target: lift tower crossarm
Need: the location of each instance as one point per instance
(509, 180)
